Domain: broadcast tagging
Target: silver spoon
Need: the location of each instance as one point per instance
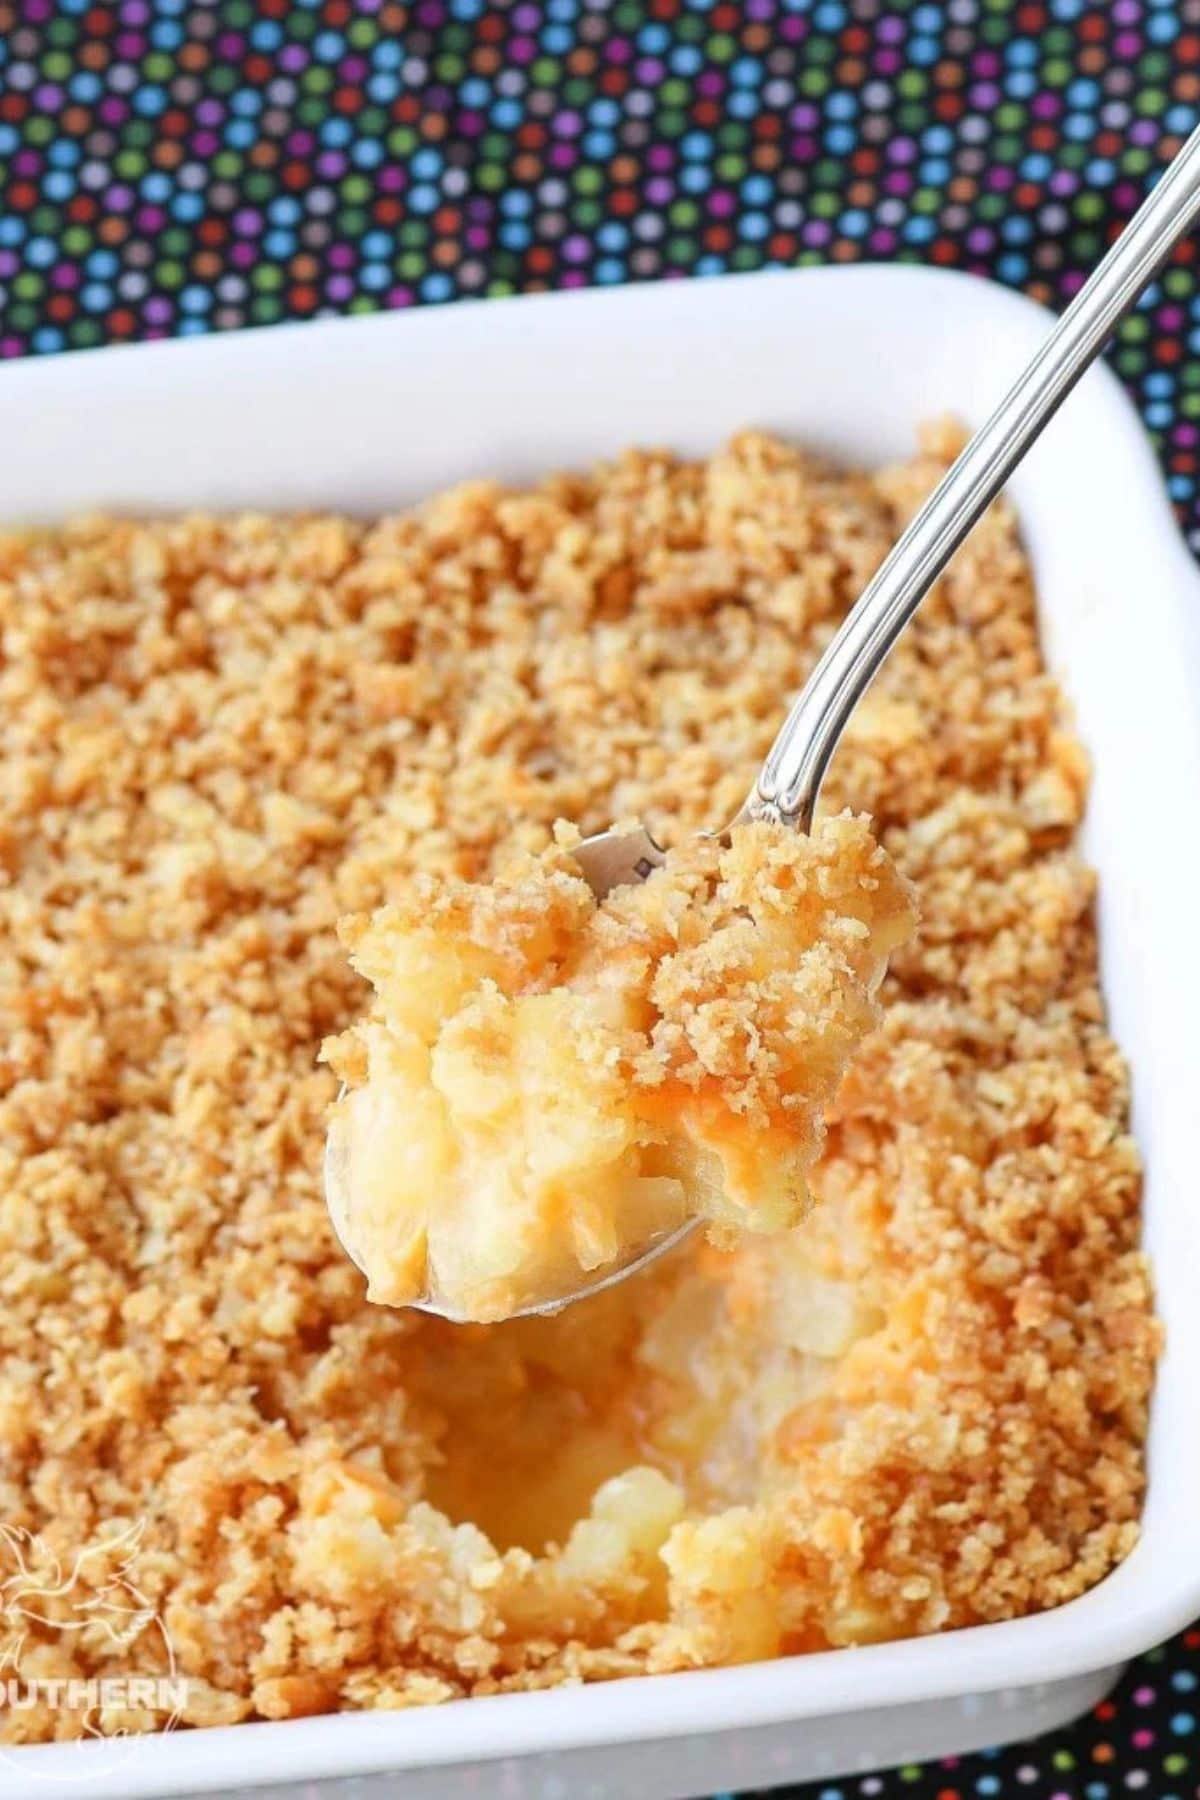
(790, 779)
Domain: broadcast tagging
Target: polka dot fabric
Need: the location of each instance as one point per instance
(170, 169)
(173, 168)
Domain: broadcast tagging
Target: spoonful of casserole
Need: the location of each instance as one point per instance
(566, 1070)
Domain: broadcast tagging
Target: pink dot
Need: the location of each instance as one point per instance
(1143, 1696)
(1142, 1740)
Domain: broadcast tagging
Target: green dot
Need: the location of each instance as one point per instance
(825, 206)
(827, 172)
(76, 240)
(992, 206)
(1058, 41)
(45, 220)
(158, 67)
(1150, 101)
(1175, 1764)
(175, 241)
(1177, 283)
(1155, 65)
(1136, 162)
(722, 48)
(222, 80)
(681, 249)
(672, 123)
(730, 168)
(410, 266)
(911, 1772)
(170, 275)
(587, 214)
(813, 81)
(1089, 206)
(746, 257)
(995, 31)
(301, 24)
(499, 289)
(403, 141)
(577, 92)
(352, 221)
(493, 147)
(139, 134)
(268, 277)
(1009, 117)
(1062, 1759)
(129, 164)
(227, 165)
(911, 118)
(372, 121)
(1057, 71)
(683, 213)
(689, 29)
(413, 233)
(910, 84)
(56, 66)
(23, 318)
(363, 303)
(732, 136)
(258, 186)
(449, 68)
(84, 333)
(27, 284)
(674, 92)
(60, 31)
(238, 15)
(627, 17)
(926, 200)
(39, 130)
(1136, 327)
(809, 259)
(1006, 148)
(544, 71)
(355, 188)
(316, 79)
(491, 178)
(265, 309)
(587, 180)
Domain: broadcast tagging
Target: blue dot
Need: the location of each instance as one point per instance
(335, 134)
(328, 46)
(165, 34)
(1021, 83)
(247, 103)
(285, 210)
(40, 252)
(742, 105)
(59, 184)
(745, 71)
(710, 264)
(923, 52)
(374, 277)
(612, 235)
(102, 263)
(187, 208)
(62, 154)
(266, 34)
(195, 299)
(842, 106)
(388, 54)
(240, 134)
(1156, 384)
(937, 139)
(514, 235)
(1012, 267)
(423, 199)
(1183, 1724)
(855, 223)
(1159, 414)
(1022, 53)
(475, 91)
(598, 144)
(506, 114)
(515, 203)
(367, 153)
(46, 339)
(756, 190)
(95, 296)
(437, 286)
(12, 230)
(695, 146)
(695, 180)
(1161, 29)
(557, 39)
(604, 112)
(279, 243)
(754, 227)
(988, 1784)
(192, 327)
(1183, 1680)
(148, 102)
(652, 40)
(609, 270)
(840, 138)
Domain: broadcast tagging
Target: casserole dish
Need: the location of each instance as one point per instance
(368, 415)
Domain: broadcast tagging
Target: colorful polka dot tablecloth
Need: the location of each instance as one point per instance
(170, 168)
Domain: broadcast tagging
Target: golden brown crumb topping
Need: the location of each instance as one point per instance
(219, 736)
(546, 1085)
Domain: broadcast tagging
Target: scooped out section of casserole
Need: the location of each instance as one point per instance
(546, 1085)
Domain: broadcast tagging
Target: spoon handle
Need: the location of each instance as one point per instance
(792, 773)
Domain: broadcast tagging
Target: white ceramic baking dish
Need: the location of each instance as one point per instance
(374, 413)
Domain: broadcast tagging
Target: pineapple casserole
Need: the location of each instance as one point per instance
(549, 1085)
(922, 1407)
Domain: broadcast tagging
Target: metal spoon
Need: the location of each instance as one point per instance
(789, 781)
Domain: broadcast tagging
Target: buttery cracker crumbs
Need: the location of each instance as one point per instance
(923, 1409)
(547, 1084)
